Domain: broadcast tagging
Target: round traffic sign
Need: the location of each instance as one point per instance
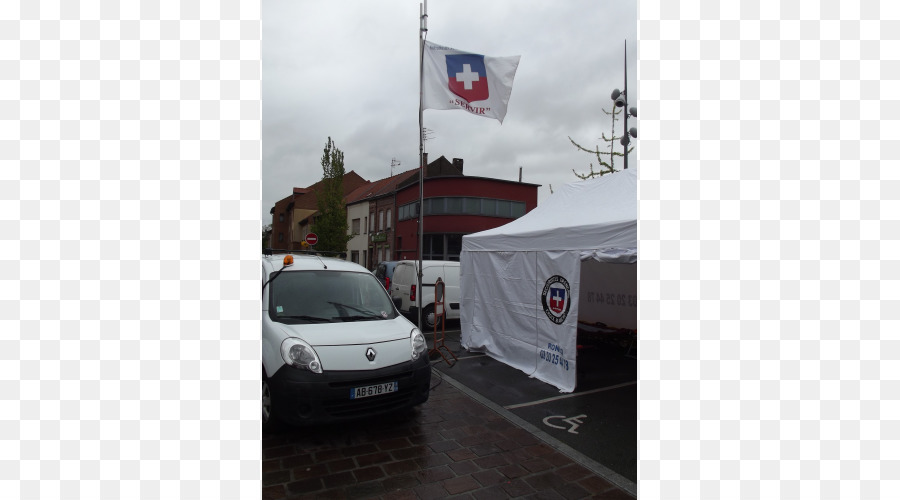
(311, 238)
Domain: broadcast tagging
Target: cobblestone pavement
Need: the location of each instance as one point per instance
(450, 447)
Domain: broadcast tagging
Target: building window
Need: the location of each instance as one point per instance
(489, 207)
(454, 205)
(433, 247)
(366, 223)
(388, 225)
(472, 206)
(407, 211)
(372, 222)
(516, 209)
(442, 247)
(354, 255)
(464, 205)
(280, 217)
(355, 227)
(453, 246)
(280, 237)
(502, 208)
(380, 220)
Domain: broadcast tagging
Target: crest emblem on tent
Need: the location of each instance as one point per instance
(556, 299)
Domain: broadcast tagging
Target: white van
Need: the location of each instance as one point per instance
(404, 284)
(334, 346)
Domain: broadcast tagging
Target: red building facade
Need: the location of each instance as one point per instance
(455, 205)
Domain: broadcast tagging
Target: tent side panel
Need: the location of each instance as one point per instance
(557, 291)
(498, 306)
(503, 311)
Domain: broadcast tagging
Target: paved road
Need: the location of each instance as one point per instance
(598, 420)
(451, 447)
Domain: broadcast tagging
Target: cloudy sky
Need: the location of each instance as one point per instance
(349, 70)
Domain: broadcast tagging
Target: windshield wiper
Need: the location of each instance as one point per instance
(369, 317)
(366, 312)
(305, 317)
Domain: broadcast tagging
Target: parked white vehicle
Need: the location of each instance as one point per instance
(405, 282)
(334, 346)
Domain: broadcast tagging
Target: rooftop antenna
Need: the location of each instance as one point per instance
(427, 134)
(394, 163)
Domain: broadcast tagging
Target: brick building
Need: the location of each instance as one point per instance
(291, 216)
(383, 217)
(370, 212)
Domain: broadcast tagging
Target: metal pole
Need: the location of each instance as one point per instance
(423, 28)
(625, 108)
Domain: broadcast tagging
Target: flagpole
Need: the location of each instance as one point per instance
(423, 29)
(625, 130)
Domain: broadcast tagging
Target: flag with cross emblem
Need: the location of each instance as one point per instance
(478, 84)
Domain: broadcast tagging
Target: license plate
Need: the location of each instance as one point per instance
(373, 390)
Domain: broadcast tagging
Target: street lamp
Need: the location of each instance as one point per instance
(621, 101)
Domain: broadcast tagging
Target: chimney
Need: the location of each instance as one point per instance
(458, 163)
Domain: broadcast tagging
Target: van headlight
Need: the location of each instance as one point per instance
(299, 354)
(417, 342)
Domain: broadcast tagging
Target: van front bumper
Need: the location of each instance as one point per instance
(302, 397)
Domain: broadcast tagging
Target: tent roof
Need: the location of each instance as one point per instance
(586, 215)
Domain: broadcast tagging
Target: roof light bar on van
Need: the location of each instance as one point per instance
(288, 261)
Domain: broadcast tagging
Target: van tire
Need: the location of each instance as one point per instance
(428, 317)
(269, 423)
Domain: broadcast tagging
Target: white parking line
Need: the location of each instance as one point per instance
(601, 470)
(567, 396)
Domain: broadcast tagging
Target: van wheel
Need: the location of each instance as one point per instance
(268, 421)
(428, 317)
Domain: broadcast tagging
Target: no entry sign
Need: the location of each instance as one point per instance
(312, 239)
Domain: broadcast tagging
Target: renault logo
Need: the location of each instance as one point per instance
(370, 354)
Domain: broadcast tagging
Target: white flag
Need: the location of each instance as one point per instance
(479, 84)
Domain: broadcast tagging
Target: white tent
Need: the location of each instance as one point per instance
(525, 285)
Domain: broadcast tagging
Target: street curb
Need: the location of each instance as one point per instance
(613, 477)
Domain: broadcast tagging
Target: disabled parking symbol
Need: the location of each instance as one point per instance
(574, 422)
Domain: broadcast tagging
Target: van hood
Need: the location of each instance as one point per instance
(353, 333)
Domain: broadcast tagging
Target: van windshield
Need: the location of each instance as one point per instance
(322, 296)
